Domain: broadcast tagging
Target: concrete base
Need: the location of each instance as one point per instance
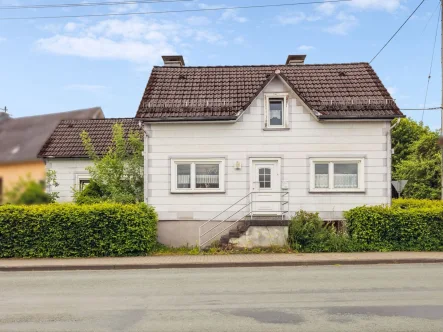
(184, 233)
(262, 236)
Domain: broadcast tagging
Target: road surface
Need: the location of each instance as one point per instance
(328, 298)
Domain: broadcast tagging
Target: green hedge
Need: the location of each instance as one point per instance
(407, 203)
(69, 230)
(385, 228)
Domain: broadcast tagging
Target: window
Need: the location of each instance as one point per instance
(82, 180)
(337, 174)
(276, 110)
(199, 175)
(264, 177)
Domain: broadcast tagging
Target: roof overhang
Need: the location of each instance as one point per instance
(190, 119)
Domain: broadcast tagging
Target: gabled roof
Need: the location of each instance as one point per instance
(335, 91)
(65, 141)
(22, 138)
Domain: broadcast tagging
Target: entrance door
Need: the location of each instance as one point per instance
(266, 187)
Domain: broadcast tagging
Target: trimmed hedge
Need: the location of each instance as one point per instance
(407, 229)
(69, 230)
(407, 203)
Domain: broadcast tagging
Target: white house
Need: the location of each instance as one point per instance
(235, 143)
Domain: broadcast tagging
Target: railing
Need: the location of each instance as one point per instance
(244, 202)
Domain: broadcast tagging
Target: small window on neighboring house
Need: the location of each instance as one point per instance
(195, 176)
(276, 110)
(82, 180)
(337, 174)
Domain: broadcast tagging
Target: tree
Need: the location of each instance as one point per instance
(417, 158)
(29, 192)
(118, 175)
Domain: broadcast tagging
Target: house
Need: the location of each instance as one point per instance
(251, 145)
(64, 151)
(21, 140)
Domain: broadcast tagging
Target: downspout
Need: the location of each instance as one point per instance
(389, 159)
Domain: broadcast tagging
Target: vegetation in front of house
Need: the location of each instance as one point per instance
(27, 191)
(116, 176)
(417, 158)
(70, 230)
(398, 228)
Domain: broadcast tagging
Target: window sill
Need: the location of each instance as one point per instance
(276, 129)
(314, 191)
(193, 192)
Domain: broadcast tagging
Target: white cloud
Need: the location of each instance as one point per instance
(85, 87)
(388, 5)
(295, 18)
(326, 8)
(134, 39)
(232, 15)
(198, 20)
(346, 23)
(305, 47)
(239, 40)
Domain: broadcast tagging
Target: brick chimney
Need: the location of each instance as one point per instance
(173, 60)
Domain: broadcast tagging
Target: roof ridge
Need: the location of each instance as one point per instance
(272, 66)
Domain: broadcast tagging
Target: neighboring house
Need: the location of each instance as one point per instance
(22, 138)
(298, 136)
(64, 151)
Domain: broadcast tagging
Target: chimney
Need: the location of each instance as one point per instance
(295, 60)
(173, 60)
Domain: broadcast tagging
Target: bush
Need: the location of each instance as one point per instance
(69, 230)
(308, 233)
(28, 191)
(407, 203)
(397, 228)
(91, 194)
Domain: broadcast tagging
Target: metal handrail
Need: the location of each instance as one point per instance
(200, 235)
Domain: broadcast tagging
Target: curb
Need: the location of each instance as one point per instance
(217, 265)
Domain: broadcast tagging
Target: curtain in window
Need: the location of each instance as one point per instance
(210, 179)
(345, 180)
(321, 181)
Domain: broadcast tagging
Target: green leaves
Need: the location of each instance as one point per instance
(417, 159)
(70, 230)
(119, 173)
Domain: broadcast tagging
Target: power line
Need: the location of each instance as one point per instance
(430, 68)
(89, 4)
(422, 109)
(430, 18)
(397, 31)
(174, 11)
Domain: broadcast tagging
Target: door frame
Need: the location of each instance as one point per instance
(252, 161)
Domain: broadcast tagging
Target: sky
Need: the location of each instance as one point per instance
(56, 65)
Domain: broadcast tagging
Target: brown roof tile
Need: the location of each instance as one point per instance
(65, 141)
(205, 93)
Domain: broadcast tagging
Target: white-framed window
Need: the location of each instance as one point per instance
(276, 110)
(337, 174)
(82, 180)
(197, 175)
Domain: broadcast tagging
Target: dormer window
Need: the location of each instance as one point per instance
(276, 110)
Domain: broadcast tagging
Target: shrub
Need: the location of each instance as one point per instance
(69, 230)
(407, 203)
(91, 194)
(308, 233)
(385, 228)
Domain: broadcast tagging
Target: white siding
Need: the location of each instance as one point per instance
(66, 172)
(246, 139)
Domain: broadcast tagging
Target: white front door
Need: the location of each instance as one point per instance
(266, 187)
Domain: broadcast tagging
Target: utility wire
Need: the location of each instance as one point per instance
(430, 68)
(397, 31)
(430, 18)
(174, 11)
(89, 4)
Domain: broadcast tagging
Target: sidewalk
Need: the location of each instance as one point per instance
(207, 261)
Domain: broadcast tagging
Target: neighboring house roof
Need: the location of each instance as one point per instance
(65, 141)
(332, 91)
(22, 138)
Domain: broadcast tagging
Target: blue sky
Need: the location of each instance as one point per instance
(59, 65)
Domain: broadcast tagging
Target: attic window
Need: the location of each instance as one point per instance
(276, 110)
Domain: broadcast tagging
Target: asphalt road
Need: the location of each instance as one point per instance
(335, 298)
